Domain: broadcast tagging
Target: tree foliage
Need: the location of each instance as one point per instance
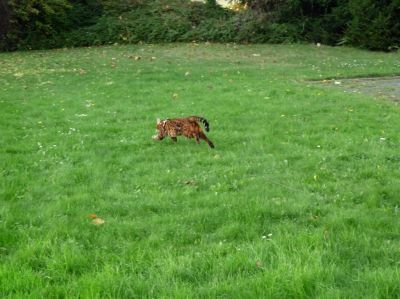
(32, 24)
(368, 24)
(30, 20)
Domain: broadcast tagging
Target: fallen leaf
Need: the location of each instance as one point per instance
(259, 264)
(98, 221)
(92, 216)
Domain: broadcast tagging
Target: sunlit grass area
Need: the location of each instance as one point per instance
(299, 199)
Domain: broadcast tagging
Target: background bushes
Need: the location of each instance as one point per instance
(36, 24)
(374, 24)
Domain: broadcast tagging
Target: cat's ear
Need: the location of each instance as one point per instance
(158, 121)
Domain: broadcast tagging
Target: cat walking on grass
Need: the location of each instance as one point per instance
(187, 126)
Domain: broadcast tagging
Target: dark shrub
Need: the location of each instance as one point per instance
(34, 24)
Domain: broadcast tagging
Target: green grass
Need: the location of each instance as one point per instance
(299, 199)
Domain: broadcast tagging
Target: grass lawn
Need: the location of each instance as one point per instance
(299, 199)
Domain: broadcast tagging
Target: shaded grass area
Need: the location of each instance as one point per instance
(299, 198)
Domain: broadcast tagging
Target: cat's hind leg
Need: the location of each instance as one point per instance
(204, 137)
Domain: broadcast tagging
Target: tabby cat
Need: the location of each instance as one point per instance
(187, 127)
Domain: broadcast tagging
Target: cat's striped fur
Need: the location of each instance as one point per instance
(187, 126)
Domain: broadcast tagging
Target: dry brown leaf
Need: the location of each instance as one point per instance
(92, 216)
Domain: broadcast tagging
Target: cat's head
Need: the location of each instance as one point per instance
(161, 132)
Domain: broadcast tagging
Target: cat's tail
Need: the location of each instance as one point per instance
(203, 120)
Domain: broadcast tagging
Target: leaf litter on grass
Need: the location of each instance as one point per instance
(96, 220)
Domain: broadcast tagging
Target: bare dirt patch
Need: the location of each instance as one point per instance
(386, 87)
